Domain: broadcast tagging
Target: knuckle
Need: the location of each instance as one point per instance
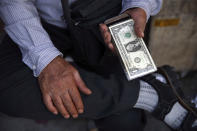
(137, 27)
(55, 95)
(65, 79)
(76, 72)
(56, 101)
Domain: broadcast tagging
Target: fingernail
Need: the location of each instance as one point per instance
(55, 112)
(66, 116)
(75, 116)
(80, 111)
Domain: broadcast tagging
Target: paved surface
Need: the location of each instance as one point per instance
(20, 124)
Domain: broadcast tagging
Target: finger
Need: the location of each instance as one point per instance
(60, 106)
(111, 47)
(139, 26)
(139, 31)
(81, 85)
(49, 104)
(68, 103)
(103, 28)
(105, 32)
(76, 98)
(107, 38)
(139, 17)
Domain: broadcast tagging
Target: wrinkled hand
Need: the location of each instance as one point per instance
(139, 17)
(59, 84)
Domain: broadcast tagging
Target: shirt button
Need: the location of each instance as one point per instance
(34, 67)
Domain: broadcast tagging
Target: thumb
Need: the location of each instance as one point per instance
(81, 85)
(139, 26)
(139, 17)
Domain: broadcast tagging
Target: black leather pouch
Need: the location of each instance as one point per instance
(92, 12)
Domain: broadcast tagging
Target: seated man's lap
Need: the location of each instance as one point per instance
(20, 95)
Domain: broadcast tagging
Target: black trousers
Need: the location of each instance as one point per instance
(110, 105)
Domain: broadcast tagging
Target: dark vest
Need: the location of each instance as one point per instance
(84, 17)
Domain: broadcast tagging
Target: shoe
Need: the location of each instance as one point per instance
(169, 93)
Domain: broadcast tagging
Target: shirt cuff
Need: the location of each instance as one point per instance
(38, 58)
(36, 47)
(144, 5)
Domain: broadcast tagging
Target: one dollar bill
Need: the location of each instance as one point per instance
(132, 51)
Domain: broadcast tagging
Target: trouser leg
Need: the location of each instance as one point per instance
(126, 121)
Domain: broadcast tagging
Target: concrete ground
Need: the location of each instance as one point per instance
(20, 124)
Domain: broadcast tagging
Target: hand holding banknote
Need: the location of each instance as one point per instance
(139, 17)
(123, 34)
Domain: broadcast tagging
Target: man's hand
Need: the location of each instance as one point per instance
(139, 17)
(59, 84)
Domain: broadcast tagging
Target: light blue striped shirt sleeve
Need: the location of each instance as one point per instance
(151, 7)
(24, 27)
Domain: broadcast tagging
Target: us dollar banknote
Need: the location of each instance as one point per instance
(132, 51)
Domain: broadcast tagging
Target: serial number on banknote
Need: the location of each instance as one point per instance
(133, 53)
